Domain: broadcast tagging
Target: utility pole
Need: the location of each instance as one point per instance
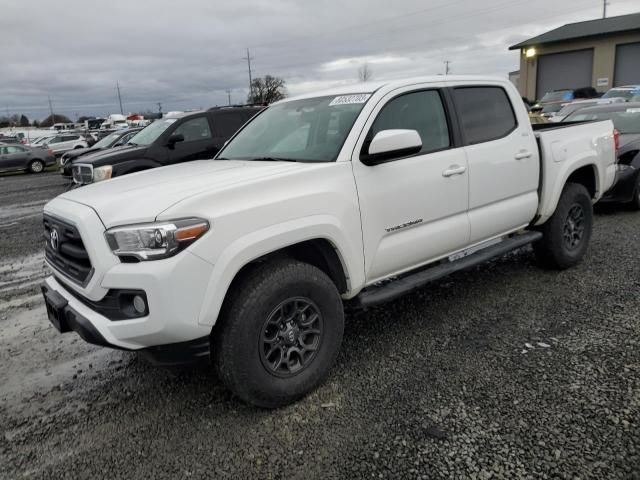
(446, 67)
(53, 118)
(119, 97)
(229, 95)
(159, 107)
(604, 8)
(249, 58)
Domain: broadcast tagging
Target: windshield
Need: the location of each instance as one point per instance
(626, 93)
(557, 96)
(625, 121)
(151, 133)
(309, 130)
(107, 141)
(572, 107)
(551, 108)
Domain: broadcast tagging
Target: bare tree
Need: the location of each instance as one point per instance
(267, 90)
(365, 73)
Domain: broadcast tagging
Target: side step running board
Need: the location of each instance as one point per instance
(392, 290)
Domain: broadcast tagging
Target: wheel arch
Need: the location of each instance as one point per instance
(323, 245)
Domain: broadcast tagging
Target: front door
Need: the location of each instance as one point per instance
(197, 141)
(413, 209)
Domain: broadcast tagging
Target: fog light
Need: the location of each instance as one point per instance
(139, 305)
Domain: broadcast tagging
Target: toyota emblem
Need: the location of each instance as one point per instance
(54, 239)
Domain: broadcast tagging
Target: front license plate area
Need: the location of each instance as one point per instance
(55, 304)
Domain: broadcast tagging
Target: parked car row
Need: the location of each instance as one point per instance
(174, 139)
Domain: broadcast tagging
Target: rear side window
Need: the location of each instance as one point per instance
(421, 111)
(485, 113)
(226, 123)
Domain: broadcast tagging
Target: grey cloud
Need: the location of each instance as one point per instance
(187, 54)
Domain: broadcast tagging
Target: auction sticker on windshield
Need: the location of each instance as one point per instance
(350, 99)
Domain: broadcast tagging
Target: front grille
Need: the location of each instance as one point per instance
(65, 251)
(82, 174)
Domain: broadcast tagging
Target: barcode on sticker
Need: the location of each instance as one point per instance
(350, 99)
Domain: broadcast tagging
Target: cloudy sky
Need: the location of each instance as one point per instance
(188, 53)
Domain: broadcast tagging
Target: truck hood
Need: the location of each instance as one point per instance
(141, 197)
(107, 156)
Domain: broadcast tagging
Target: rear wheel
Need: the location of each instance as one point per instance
(279, 333)
(36, 166)
(567, 233)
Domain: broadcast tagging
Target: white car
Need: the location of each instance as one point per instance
(358, 194)
(64, 142)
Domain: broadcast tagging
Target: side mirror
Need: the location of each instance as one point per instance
(175, 138)
(390, 144)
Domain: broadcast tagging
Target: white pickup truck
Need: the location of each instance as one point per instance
(358, 195)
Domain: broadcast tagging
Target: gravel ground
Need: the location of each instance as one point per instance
(504, 371)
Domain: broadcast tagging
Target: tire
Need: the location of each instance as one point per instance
(635, 203)
(247, 342)
(36, 166)
(567, 233)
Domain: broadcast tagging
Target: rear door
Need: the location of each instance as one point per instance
(503, 158)
(198, 141)
(413, 209)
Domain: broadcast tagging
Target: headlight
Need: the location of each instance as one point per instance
(102, 173)
(152, 241)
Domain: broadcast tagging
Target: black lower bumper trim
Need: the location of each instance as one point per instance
(183, 353)
(67, 319)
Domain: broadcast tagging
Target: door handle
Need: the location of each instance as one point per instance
(522, 155)
(454, 170)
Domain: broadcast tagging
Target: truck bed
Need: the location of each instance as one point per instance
(567, 147)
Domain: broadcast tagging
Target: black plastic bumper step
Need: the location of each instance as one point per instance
(392, 290)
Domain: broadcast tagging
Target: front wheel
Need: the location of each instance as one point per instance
(279, 333)
(567, 233)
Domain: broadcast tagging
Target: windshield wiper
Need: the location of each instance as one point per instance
(272, 159)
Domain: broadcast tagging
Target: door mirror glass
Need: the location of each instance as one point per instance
(390, 144)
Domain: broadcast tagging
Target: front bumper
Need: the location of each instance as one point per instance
(65, 318)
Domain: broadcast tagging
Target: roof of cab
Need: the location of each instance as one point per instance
(371, 87)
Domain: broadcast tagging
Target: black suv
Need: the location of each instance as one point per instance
(173, 139)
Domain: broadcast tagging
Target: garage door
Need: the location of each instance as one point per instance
(564, 70)
(627, 64)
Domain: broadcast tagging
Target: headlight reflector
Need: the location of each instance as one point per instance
(152, 241)
(102, 173)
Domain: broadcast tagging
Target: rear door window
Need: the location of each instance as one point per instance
(226, 123)
(485, 113)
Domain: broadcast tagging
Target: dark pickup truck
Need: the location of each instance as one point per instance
(177, 138)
